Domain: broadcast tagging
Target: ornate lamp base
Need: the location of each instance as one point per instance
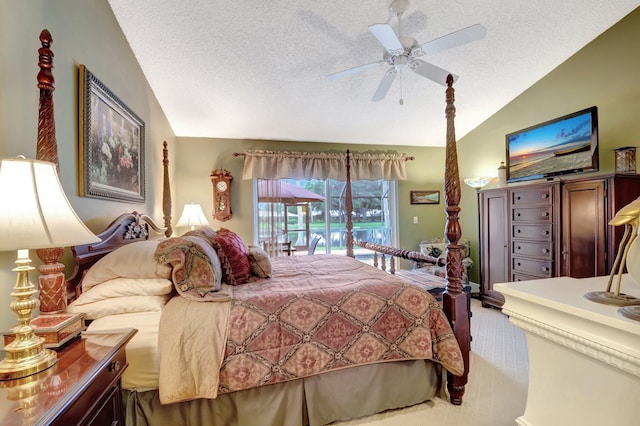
(26, 354)
(26, 358)
(631, 312)
(610, 298)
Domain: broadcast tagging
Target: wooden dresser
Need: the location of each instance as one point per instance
(82, 388)
(551, 229)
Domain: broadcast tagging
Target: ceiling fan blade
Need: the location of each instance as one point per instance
(387, 38)
(454, 39)
(384, 85)
(431, 71)
(352, 71)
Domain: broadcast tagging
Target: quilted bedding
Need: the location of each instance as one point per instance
(322, 313)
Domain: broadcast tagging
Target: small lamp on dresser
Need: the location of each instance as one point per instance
(34, 214)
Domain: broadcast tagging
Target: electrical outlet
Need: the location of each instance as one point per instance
(415, 219)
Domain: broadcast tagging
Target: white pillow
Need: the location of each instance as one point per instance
(122, 287)
(120, 305)
(135, 260)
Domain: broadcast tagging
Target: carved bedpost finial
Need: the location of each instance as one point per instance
(47, 148)
(45, 76)
(166, 191)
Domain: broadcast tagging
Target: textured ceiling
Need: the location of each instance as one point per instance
(253, 69)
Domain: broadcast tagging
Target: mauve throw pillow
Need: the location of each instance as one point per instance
(234, 261)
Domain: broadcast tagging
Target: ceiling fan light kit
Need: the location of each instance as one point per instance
(402, 52)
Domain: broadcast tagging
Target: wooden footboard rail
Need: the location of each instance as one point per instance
(380, 253)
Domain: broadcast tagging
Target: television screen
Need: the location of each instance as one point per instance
(567, 144)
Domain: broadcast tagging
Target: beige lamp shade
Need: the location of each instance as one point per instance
(34, 211)
(192, 215)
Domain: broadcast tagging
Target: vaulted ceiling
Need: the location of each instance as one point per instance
(253, 69)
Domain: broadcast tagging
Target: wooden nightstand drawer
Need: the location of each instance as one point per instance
(82, 388)
(96, 394)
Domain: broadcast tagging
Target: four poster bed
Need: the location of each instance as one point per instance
(228, 336)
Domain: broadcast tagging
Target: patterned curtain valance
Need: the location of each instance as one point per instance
(316, 165)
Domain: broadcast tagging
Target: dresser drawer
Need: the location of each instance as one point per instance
(540, 250)
(532, 214)
(543, 195)
(518, 276)
(533, 232)
(538, 268)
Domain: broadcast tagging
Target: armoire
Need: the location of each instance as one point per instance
(552, 228)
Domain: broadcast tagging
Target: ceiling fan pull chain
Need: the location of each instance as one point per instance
(401, 100)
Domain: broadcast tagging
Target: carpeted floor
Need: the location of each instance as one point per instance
(497, 389)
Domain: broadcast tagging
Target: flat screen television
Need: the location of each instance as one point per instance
(564, 145)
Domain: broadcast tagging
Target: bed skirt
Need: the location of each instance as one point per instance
(317, 400)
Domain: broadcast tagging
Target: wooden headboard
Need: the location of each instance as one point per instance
(125, 229)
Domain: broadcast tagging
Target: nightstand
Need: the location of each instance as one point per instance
(82, 388)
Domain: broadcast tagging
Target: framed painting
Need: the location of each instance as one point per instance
(425, 197)
(111, 144)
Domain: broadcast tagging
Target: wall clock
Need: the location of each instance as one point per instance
(221, 180)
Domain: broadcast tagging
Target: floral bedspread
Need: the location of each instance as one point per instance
(327, 312)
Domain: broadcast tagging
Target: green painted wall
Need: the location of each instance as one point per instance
(84, 32)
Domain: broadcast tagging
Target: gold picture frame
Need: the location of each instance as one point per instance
(111, 144)
(425, 197)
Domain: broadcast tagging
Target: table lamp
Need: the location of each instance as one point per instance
(192, 215)
(34, 214)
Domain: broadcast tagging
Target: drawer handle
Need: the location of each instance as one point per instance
(545, 232)
(114, 366)
(545, 196)
(518, 248)
(518, 264)
(545, 214)
(517, 231)
(517, 214)
(545, 269)
(545, 250)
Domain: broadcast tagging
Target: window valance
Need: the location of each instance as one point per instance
(260, 164)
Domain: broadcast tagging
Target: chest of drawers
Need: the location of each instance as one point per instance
(534, 220)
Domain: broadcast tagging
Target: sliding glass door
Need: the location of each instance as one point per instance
(323, 214)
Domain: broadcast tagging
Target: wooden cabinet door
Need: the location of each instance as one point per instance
(494, 244)
(583, 249)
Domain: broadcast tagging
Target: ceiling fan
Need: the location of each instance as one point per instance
(404, 52)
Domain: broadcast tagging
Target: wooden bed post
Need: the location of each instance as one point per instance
(454, 299)
(349, 207)
(51, 280)
(166, 192)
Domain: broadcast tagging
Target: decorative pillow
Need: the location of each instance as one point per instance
(122, 287)
(234, 261)
(135, 260)
(259, 261)
(437, 247)
(196, 272)
(120, 305)
(205, 232)
(433, 250)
